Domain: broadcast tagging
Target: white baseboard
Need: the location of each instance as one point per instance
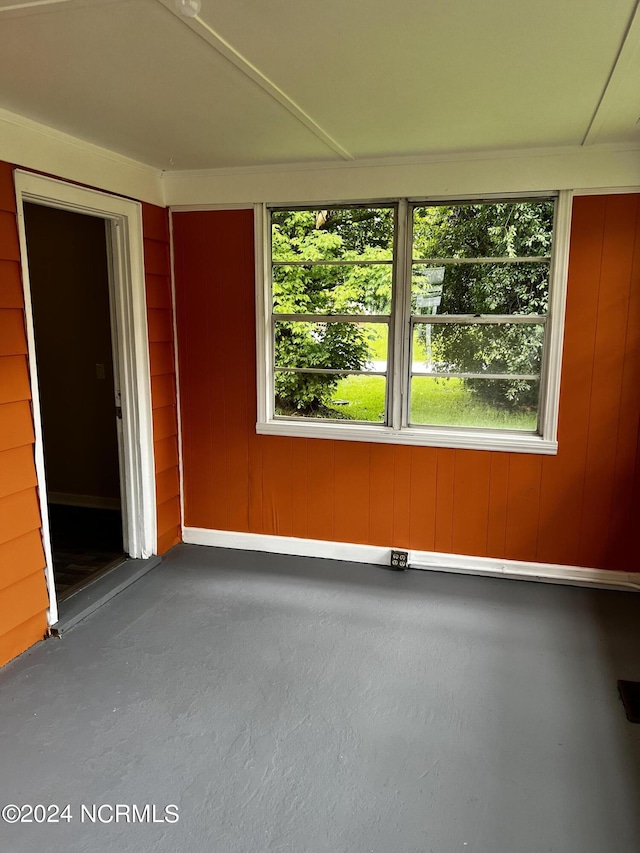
(432, 561)
(89, 501)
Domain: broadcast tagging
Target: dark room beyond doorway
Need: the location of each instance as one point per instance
(69, 279)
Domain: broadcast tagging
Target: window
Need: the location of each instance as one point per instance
(414, 322)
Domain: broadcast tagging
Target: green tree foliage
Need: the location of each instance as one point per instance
(507, 230)
(503, 230)
(350, 235)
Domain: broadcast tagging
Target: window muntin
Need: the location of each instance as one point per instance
(462, 295)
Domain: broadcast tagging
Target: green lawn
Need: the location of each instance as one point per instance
(437, 402)
(443, 402)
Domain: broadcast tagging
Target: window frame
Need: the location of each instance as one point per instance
(398, 430)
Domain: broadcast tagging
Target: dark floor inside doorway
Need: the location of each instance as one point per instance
(85, 543)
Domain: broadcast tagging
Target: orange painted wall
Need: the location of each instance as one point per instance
(157, 261)
(23, 593)
(577, 508)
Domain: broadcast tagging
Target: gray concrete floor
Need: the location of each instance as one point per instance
(303, 705)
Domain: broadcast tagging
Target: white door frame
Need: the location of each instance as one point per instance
(123, 220)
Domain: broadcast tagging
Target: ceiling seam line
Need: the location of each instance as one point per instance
(200, 27)
(625, 44)
(31, 4)
(268, 86)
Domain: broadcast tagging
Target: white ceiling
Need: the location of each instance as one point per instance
(252, 82)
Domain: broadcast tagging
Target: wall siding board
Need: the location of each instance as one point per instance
(256, 500)
(196, 433)
(498, 502)
(401, 495)
(17, 470)
(167, 485)
(167, 540)
(321, 480)
(21, 557)
(16, 640)
(631, 543)
(162, 362)
(160, 325)
(9, 246)
(23, 591)
(14, 379)
(7, 190)
(381, 514)
(164, 422)
(622, 517)
(10, 285)
(608, 364)
(237, 468)
(471, 491)
(158, 288)
(300, 490)
(562, 484)
(155, 228)
(23, 600)
(278, 486)
(213, 249)
(166, 454)
(352, 492)
(523, 507)
(156, 256)
(505, 505)
(16, 425)
(163, 391)
(237, 404)
(445, 485)
(13, 339)
(422, 499)
(168, 515)
(155, 222)
(19, 513)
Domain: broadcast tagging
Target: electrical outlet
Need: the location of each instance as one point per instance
(100, 374)
(399, 560)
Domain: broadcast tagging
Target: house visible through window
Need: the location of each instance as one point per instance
(416, 322)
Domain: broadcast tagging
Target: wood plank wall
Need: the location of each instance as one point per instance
(23, 591)
(577, 508)
(155, 223)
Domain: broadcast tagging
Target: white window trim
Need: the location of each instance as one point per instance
(131, 350)
(545, 443)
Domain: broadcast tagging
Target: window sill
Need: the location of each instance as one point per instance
(509, 442)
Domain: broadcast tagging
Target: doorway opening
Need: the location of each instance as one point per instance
(132, 524)
(78, 377)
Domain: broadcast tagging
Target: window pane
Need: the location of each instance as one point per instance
(507, 288)
(331, 346)
(351, 289)
(475, 230)
(312, 395)
(474, 403)
(477, 348)
(338, 233)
